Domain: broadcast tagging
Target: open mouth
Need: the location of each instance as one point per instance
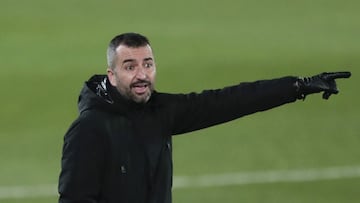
(140, 87)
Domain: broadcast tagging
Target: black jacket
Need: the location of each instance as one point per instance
(118, 151)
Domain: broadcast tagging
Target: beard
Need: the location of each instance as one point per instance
(139, 91)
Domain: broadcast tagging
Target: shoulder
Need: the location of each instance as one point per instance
(89, 123)
(160, 98)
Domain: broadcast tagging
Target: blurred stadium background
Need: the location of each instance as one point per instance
(49, 48)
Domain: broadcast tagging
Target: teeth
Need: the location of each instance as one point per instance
(140, 85)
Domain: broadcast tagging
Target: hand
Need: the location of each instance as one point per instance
(324, 82)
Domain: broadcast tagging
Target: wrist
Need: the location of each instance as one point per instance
(299, 85)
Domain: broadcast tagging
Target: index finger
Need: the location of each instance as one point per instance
(335, 75)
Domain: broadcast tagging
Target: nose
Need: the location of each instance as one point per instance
(140, 74)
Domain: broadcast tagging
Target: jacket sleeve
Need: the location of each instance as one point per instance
(81, 164)
(211, 107)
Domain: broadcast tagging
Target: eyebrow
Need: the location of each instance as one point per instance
(132, 60)
(148, 59)
(128, 60)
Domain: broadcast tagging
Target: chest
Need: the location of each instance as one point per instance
(139, 143)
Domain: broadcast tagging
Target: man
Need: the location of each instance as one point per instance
(119, 148)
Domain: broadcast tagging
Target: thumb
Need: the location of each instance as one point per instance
(326, 95)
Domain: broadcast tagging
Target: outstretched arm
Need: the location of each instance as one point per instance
(196, 111)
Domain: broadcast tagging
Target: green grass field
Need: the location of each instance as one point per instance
(48, 49)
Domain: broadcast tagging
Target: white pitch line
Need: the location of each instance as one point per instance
(261, 177)
(226, 179)
(13, 192)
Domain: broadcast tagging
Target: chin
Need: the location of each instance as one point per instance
(142, 99)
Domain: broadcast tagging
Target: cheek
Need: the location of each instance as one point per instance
(152, 75)
(124, 80)
(115, 79)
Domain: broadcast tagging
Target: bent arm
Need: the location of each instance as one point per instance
(81, 165)
(196, 111)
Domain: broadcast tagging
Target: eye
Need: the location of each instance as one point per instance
(148, 65)
(129, 67)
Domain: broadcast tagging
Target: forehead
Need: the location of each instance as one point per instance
(124, 52)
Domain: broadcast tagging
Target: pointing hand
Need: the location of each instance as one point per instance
(324, 82)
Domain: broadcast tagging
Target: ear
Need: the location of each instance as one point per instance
(111, 76)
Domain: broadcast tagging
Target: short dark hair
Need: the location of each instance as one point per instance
(129, 39)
